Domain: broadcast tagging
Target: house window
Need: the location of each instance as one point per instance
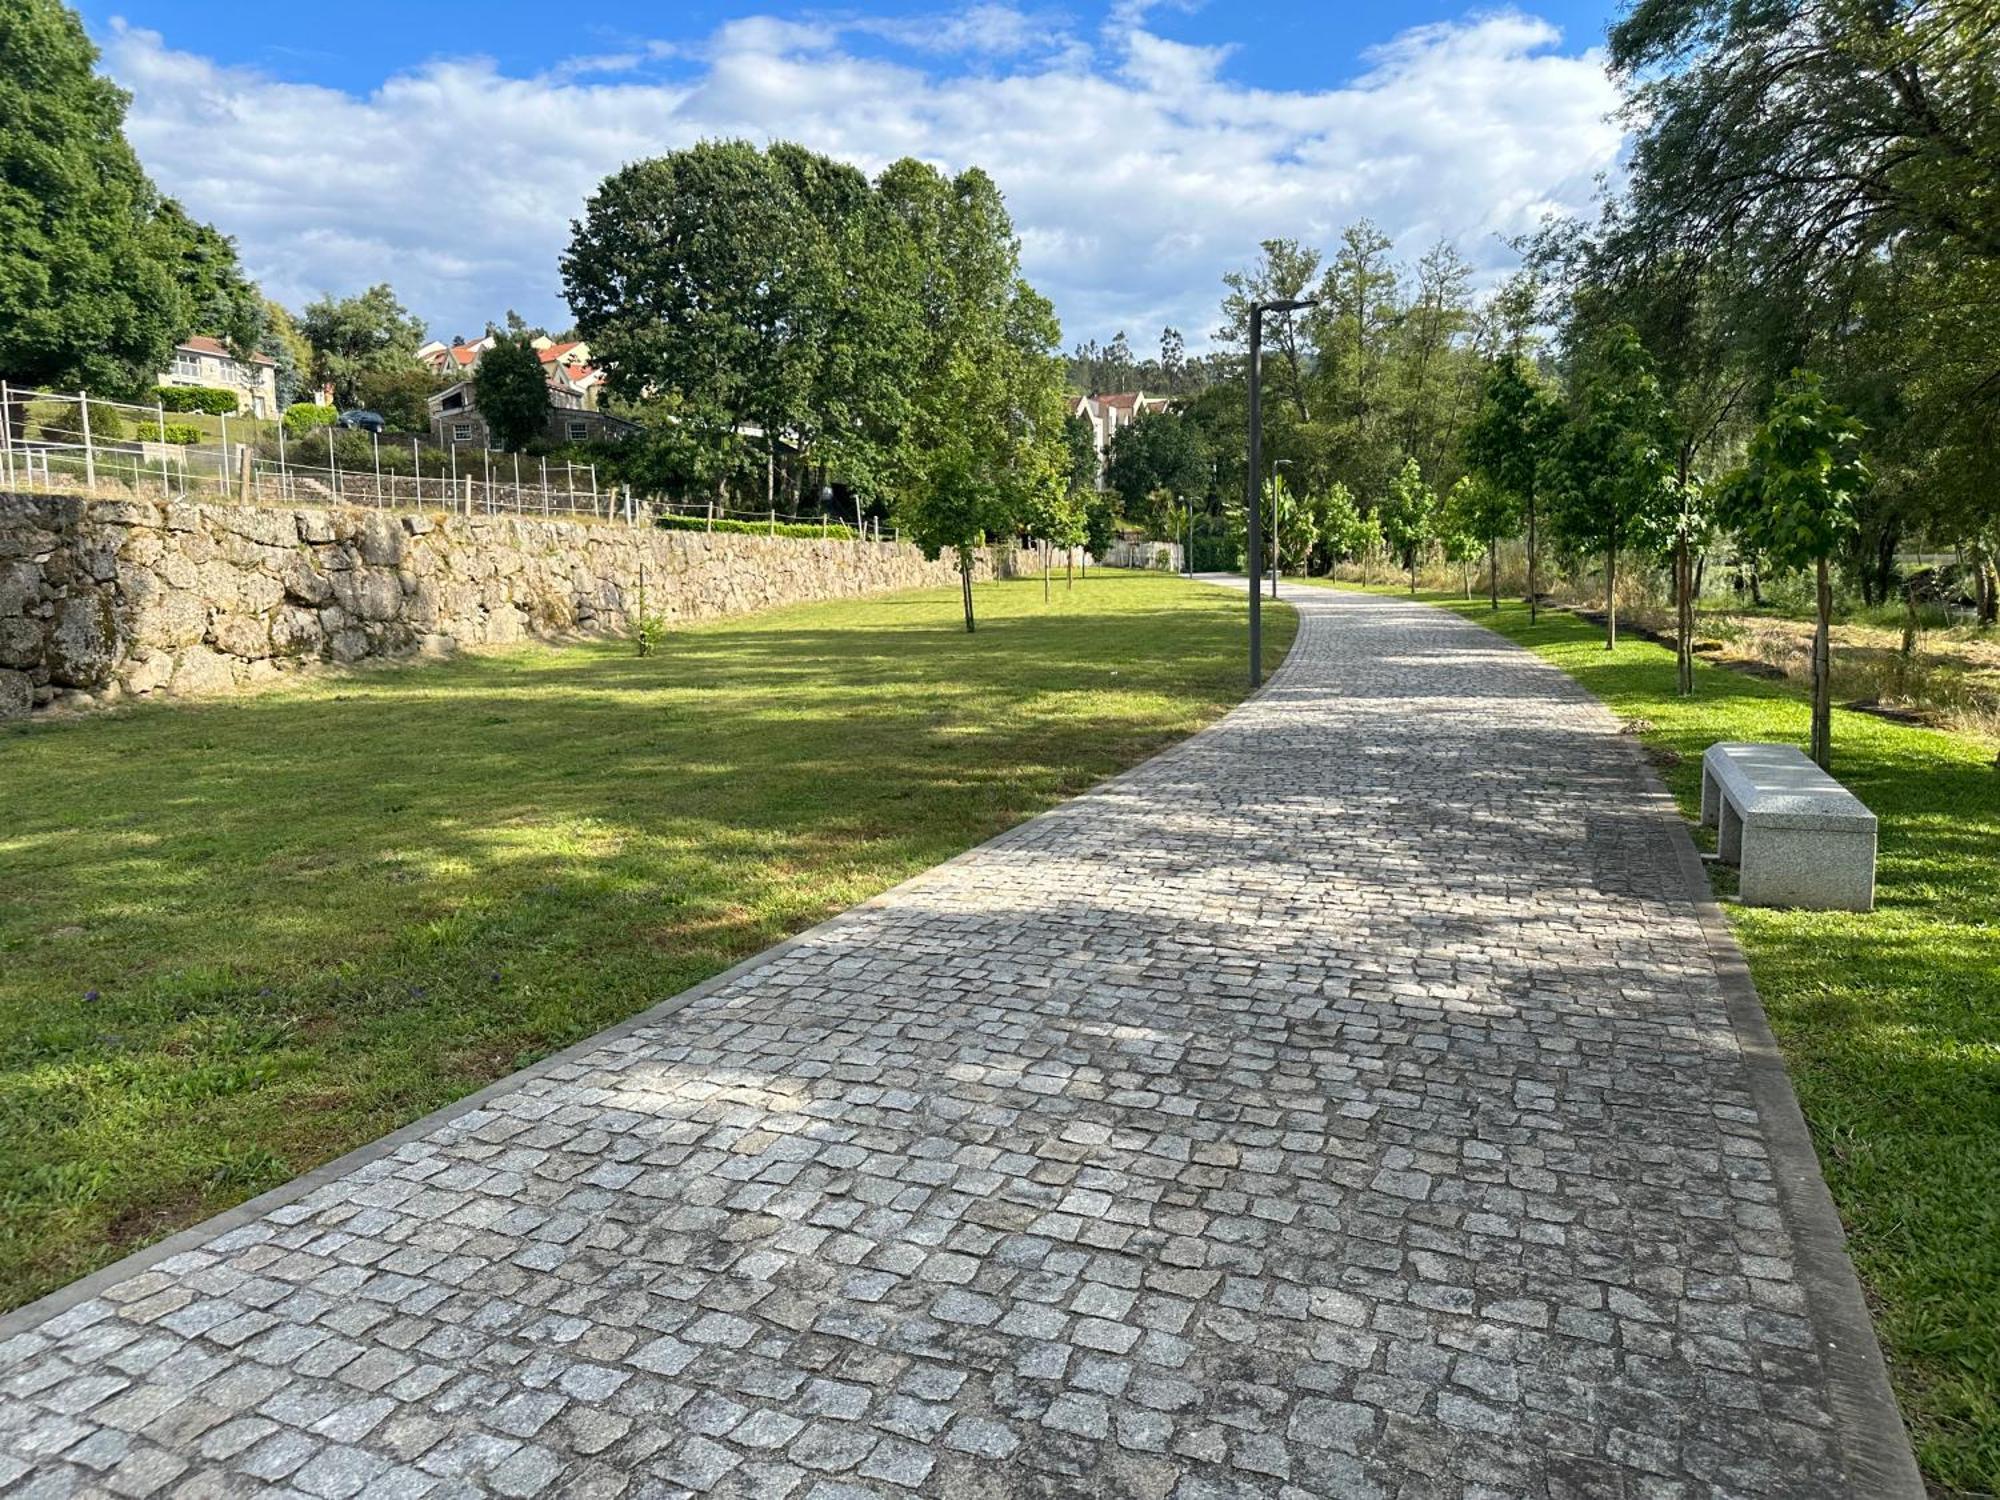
(187, 365)
(461, 432)
(578, 431)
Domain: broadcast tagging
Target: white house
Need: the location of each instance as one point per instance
(202, 360)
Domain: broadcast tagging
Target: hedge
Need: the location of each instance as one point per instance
(212, 399)
(304, 417)
(805, 530)
(184, 433)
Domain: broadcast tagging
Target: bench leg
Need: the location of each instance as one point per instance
(1809, 869)
(1711, 797)
(1728, 832)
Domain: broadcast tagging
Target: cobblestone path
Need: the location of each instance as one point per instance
(1344, 1103)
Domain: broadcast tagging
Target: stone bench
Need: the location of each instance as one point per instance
(1799, 837)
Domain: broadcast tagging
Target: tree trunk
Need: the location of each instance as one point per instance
(1610, 598)
(1822, 683)
(1684, 617)
(1413, 573)
(1069, 559)
(965, 583)
(1534, 608)
(1988, 592)
(1048, 565)
(1493, 572)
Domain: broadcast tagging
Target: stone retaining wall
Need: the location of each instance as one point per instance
(101, 600)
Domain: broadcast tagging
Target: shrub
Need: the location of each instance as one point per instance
(304, 417)
(212, 399)
(183, 433)
(807, 530)
(106, 425)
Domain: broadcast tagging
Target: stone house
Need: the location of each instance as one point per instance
(455, 418)
(201, 360)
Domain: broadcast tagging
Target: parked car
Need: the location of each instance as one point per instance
(362, 421)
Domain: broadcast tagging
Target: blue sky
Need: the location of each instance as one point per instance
(1145, 146)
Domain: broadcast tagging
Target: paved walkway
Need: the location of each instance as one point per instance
(1345, 1103)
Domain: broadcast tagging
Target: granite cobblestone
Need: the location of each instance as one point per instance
(1343, 1103)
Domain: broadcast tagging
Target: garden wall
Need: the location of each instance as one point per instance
(101, 601)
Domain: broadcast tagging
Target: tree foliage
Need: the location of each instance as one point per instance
(1795, 501)
(1408, 514)
(511, 392)
(352, 337)
(99, 276)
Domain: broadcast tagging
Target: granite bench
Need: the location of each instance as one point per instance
(1799, 837)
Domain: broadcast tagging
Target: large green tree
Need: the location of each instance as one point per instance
(91, 259)
(1161, 453)
(511, 392)
(351, 337)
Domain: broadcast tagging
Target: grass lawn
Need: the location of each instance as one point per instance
(242, 937)
(1890, 1022)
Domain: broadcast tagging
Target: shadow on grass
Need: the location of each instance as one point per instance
(239, 937)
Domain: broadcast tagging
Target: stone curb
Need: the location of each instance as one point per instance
(31, 1314)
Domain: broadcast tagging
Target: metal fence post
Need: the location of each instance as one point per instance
(7, 433)
(222, 476)
(89, 458)
(160, 413)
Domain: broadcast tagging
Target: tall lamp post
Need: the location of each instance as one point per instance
(1255, 481)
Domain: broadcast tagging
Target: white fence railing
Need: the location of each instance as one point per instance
(53, 440)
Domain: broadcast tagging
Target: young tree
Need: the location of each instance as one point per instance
(1455, 536)
(1409, 517)
(1795, 502)
(1346, 531)
(511, 392)
(1482, 511)
(1511, 441)
(89, 291)
(1614, 461)
(360, 335)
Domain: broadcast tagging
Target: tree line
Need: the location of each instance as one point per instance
(1782, 333)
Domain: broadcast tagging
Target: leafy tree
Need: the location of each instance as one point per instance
(988, 432)
(1457, 535)
(511, 392)
(1795, 502)
(1285, 272)
(356, 336)
(1160, 453)
(1080, 442)
(1346, 530)
(1614, 460)
(220, 300)
(89, 288)
(1481, 512)
(289, 352)
(1511, 442)
(1408, 515)
(402, 397)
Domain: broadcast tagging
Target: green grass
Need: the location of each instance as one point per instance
(240, 938)
(1890, 1022)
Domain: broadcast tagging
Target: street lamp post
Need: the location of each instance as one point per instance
(1254, 482)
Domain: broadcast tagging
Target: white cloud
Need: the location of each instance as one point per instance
(1137, 169)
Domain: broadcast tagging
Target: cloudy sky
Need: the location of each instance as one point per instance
(1145, 146)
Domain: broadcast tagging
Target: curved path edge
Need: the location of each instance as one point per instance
(32, 1314)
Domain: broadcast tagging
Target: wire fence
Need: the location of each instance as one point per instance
(69, 441)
